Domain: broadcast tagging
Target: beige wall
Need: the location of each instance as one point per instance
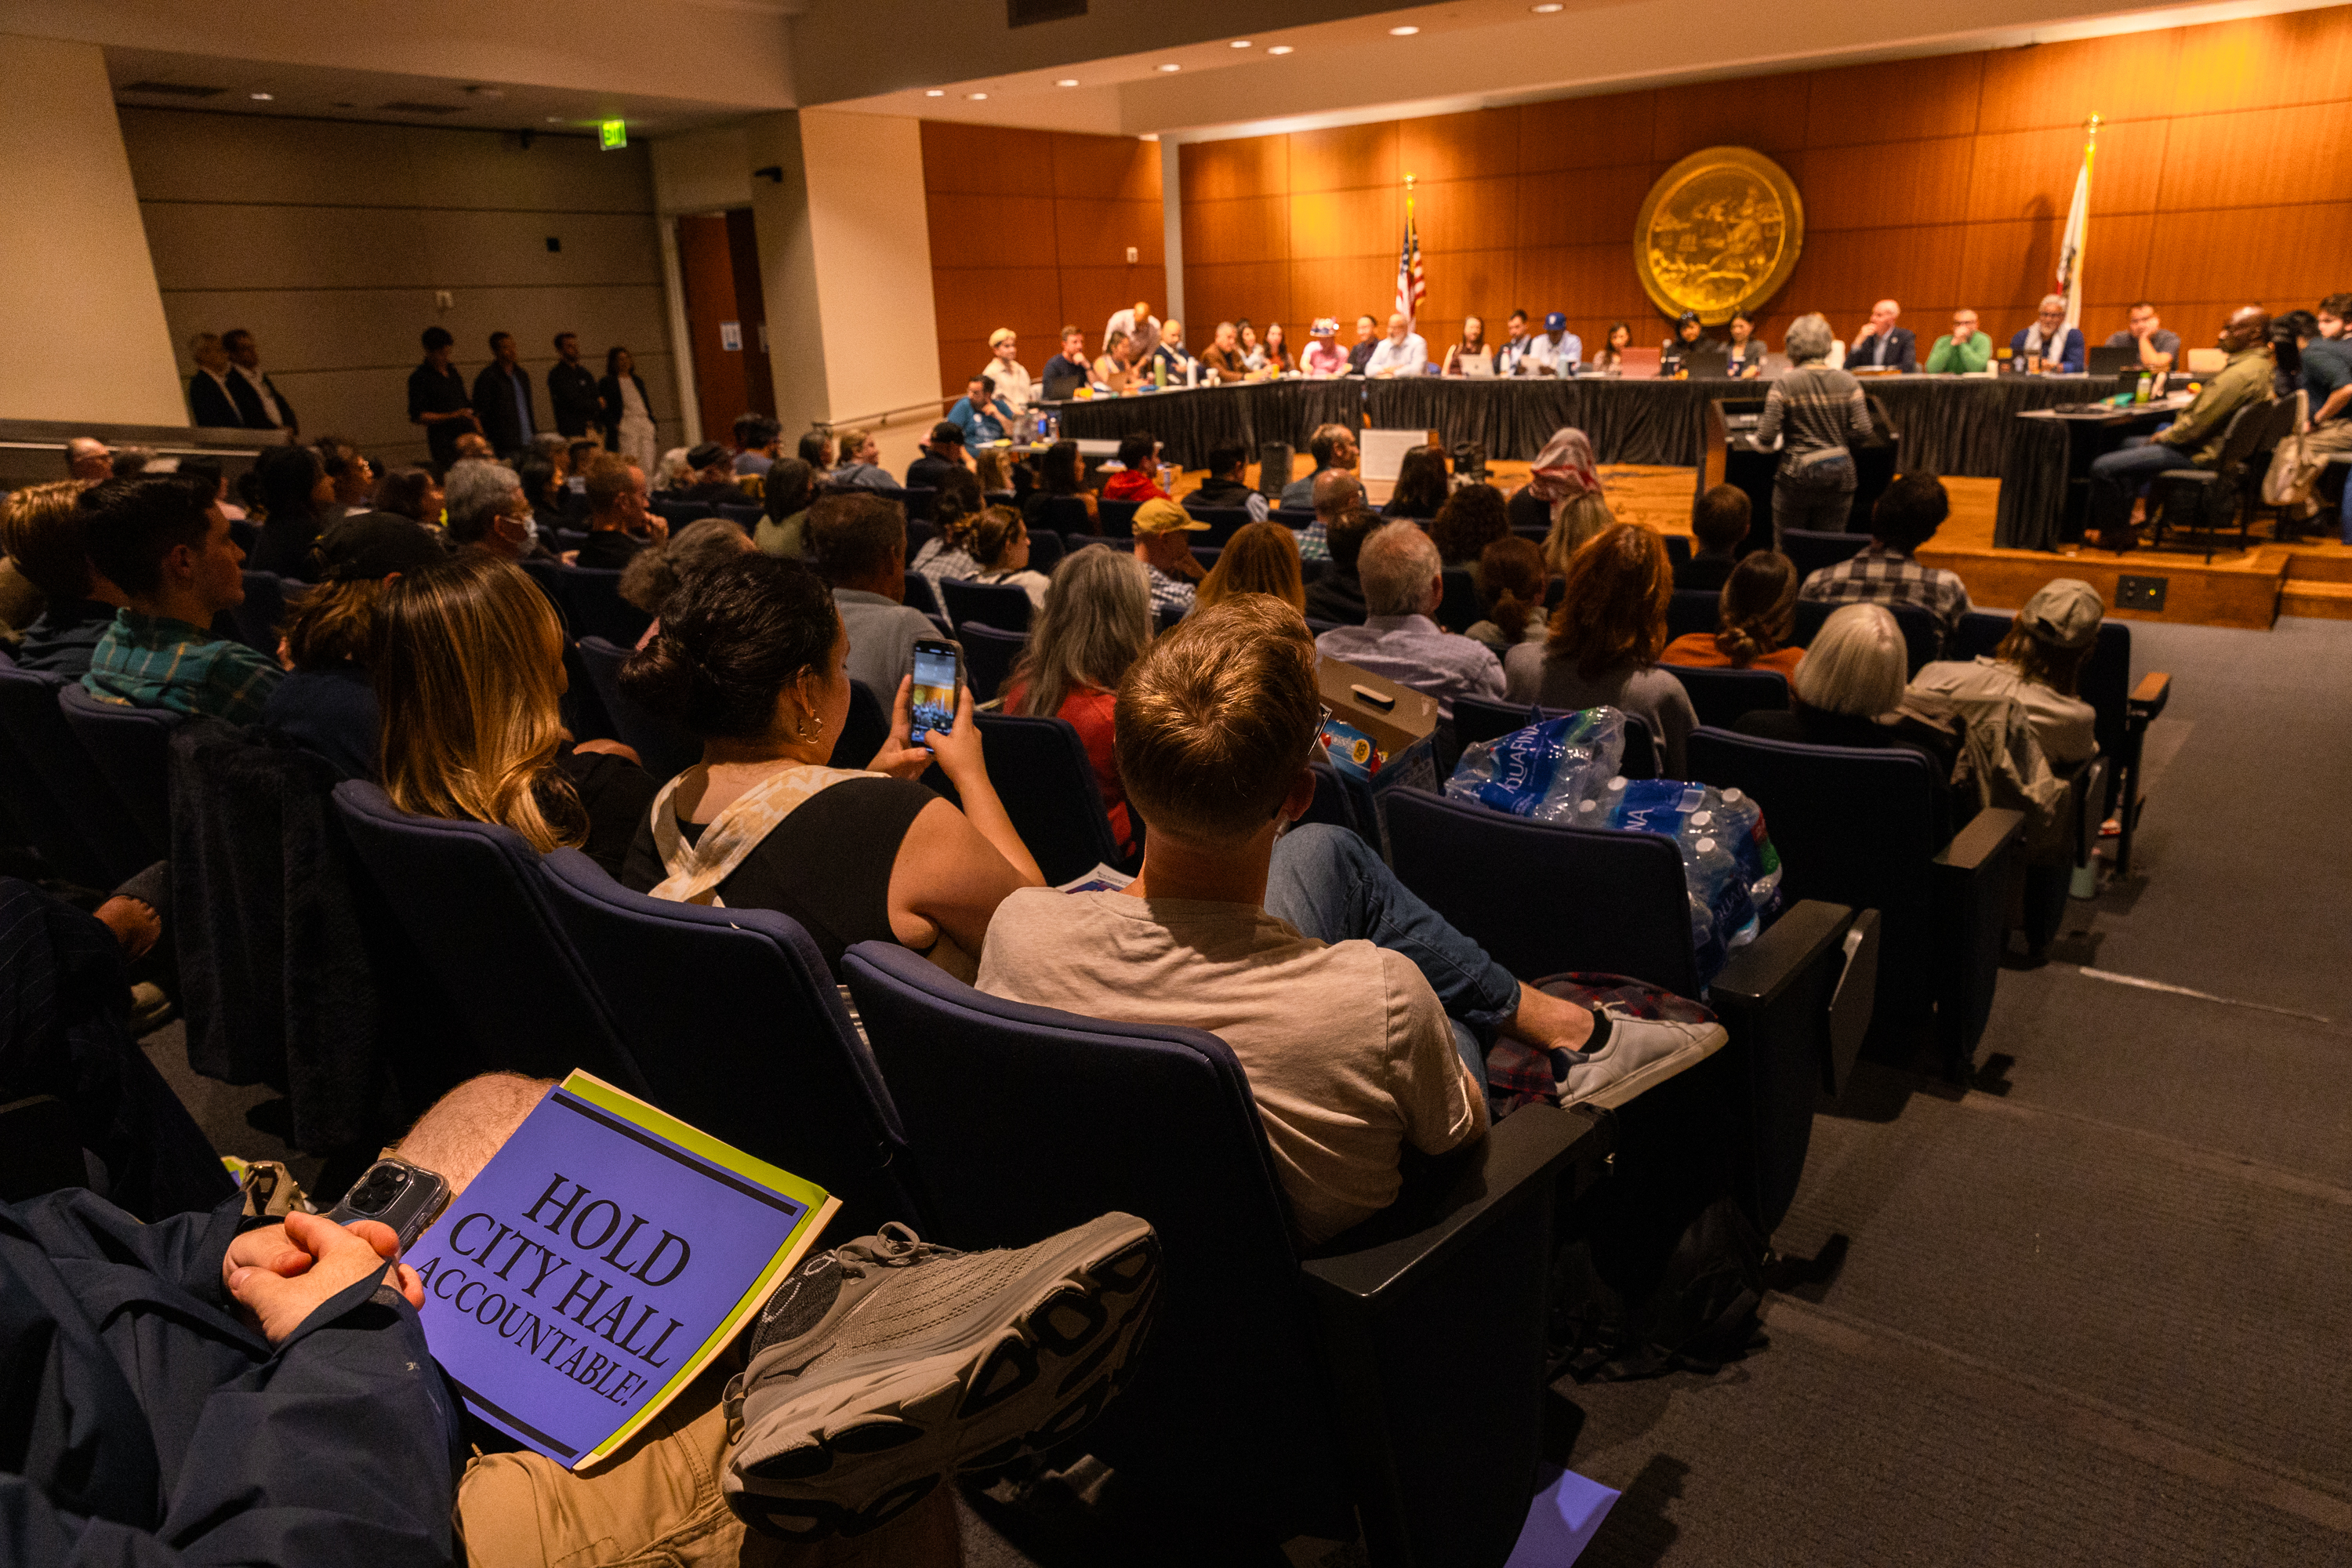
(74, 271)
(331, 241)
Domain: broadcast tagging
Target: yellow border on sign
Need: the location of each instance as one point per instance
(1706, 159)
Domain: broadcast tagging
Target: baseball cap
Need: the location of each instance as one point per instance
(1157, 516)
(374, 544)
(706, 455)
(1554, 322)
(946, 432)
(999, 335)
(1324, 327)
(2064, 613)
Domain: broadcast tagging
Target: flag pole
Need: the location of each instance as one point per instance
(2076, 239)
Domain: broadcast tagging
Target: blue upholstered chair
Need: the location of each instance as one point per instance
(133, 747)
(999, 605)
(666, 748)
(1721, 695)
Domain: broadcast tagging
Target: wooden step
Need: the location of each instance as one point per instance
(2319, 563)
(2326, 601)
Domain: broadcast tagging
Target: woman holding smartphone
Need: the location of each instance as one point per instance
(748, 657)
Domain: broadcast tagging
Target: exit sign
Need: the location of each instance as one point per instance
(611, 133)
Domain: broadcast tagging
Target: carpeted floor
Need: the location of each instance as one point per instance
(2097, 1310)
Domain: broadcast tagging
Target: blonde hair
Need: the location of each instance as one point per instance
(467, 659)
(993, 468)
(1575, 523)
(1261, 558)
(1856, 664)
(41, 529)
(1095, 624)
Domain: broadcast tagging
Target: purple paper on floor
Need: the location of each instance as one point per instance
(1561, 1522)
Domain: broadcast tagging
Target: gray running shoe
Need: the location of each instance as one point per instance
(887, 1365)
(1640, 1052)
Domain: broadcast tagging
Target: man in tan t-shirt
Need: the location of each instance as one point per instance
(1358, 1014)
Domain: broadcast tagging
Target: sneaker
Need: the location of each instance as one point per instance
(1640, 1052)
(887, 1365)
(151, 1009)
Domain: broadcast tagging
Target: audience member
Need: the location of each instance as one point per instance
(488, 510)
(751, 657)
(1810, 413)
(816, 449)
(2158, 348)
(1013, 383)
(207, 468)
(410, 492)
(573, 397)
(628, 415)
(999, 547)
(1511, 583)
(129, 462)
(467, 659)
(297, 498)
(1324, 356)
(712, 467)
(943, 455)
(2039, 663)
(89, 460)
(1421, 486)
(1066, 370)
(438, 399)
(1471, 518)
(1554, 352)
(784, 502)
(1567, 481)
(955, 516)
(654, 574)
(1757, 614)
(167, 547)
(1338, 594)
(2327, 386)
(1745, 350)
(758, 437)
(1605, 640)
(473, 447)
(1848, 691)
(985, 417)
(1718, 526)
(1881, 344)
(1336, 493)
(1163, 542)
(1260, 558)
(1061, 472)
(1094, 624)
(1610, 358)
(44, 529)
(503, 401)
(619, 525)
(327, 700)
(861, 549)
(2048, 345)
(258, 397)
(1886, 571)
(543, 493)
(1137, 478)
(1963, 351)
(1402, 352)
(210, 400)
(1403, 583)
(2194, 438)
(860, 455)
(1331, 447)
(1472, 350)
(1256, 933)
(1367, 339)
(1228, 486)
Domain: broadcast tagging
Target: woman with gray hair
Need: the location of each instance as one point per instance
(1812, 412)
(654, 575)
(1096, 623)
(1849, 690)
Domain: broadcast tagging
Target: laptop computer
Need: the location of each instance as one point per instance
(2104, 361)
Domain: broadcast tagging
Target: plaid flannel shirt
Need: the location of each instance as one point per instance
(1168, 592)
(151, 661)
(1883, 575)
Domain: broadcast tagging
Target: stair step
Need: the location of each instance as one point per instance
(2310, 565)
(2326, 601)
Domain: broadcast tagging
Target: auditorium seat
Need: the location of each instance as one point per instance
(1922, 635)
(746, 517)
(1459, 610)
(54, 791)
(1481, 718)
(1040, 772)
(2201, 502)
(988, 656)
(1063, 514)
(918, 535)
(916, 499)
(665, 748)
(1501, 879)
(1678, 550)
(263, 611)
(922, 595)
(678, 514)
(1045, 551)
(865, 727)
(592, 606)
(1206, 555)
(1810, 550)
(1395, 1377)
(1691, 610)
(1721, 695)
(1121, 545)
(562, 541)
(133, 747)
(1115, 518)
(1223, 521)
(999, 605)
(741, 1029)
(1865, 827)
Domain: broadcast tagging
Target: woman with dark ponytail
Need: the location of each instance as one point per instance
(1757, 613)
(1511, 585)
(748, 657)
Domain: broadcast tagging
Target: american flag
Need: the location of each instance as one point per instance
(1413, 287)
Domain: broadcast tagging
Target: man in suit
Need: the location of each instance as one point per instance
(2049, 346)
(502, 398)
(264, 407)
(572, 395)
(1883, 345)
(211, 400)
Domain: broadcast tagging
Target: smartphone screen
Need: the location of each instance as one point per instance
(934, 694)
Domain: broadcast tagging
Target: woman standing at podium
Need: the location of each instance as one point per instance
(1812, 412)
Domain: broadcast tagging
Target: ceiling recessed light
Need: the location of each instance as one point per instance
(555, 120)
(1403, 32)
(262, 97)
(1171, 66)
(977, 97)
(1067, 81)
(1546, 8)
(936, 92)
(1239, 44)
(1279, 49)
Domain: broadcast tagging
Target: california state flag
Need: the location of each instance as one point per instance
(2070, 247)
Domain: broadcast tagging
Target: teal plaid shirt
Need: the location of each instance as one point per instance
(151, 661)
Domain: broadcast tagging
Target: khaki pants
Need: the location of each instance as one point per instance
(2314, 445)
(656, 1504)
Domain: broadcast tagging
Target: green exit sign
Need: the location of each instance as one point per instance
(613, 134)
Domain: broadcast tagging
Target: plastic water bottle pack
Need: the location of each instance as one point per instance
(1545, 771)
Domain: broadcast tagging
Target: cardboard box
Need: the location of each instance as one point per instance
(1377, 731)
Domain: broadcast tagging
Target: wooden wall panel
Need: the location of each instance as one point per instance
(1091, 295)
(970, 230)
(2224, 176)
(1106, 167)
(1099, 231)
(987, 159)
(1226, 292)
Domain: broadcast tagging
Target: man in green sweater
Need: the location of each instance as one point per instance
(1963, 351)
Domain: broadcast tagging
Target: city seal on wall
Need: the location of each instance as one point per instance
(1719, 232)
